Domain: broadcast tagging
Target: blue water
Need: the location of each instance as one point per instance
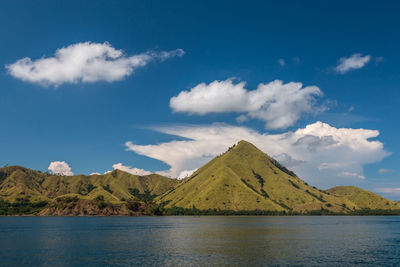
(199, 241)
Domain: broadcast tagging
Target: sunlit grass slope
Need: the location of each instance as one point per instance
(242, 179)
(363, 198)
(18, 183)
(245, 178)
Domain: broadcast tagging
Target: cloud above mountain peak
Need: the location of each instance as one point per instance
(335, 151)
(279, 105)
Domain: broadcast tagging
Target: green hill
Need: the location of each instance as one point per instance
(245, 178)
(21, 184)
(362, 198)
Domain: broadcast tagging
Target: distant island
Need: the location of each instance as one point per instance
(242, 181)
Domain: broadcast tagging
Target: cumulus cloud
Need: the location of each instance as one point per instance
(60, 168)
(84, 62)
(333, 165)
(312, 142)
(186, 173)
(322, 161)
(279, 105)
(356, 61)
(95, 173)
(287, 160)
(128, 169)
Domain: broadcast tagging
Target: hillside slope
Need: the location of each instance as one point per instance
(362, 198)
(18, 184)
(245, 178)
(242, 179)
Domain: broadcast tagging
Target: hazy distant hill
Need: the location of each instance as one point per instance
(18, 184)
(245, 178)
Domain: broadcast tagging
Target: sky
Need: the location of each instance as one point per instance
(164, 86)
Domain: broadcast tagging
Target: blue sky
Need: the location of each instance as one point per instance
(219, 53)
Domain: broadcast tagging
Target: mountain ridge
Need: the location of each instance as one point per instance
(362, 198)
(242, 180)
(258, 182)
(17, 182)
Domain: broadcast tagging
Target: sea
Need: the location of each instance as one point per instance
(200, 241)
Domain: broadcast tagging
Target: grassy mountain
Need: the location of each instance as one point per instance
(245, 178)
(362, 198)
(22, 184)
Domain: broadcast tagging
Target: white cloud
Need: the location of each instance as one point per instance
(333, 165)
(128, 169)
(356, 61)
(279, 105)
(60, 168)
(352, 174)
(317, 153)
(84, 62)
(281, 62)
(385, 170)
(95, 173)
(186, 173)
(287, 160)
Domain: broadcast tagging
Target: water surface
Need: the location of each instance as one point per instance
(199, 241)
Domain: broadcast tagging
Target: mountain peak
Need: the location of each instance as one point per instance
(246, 147)
(244, 143)
(245, 178)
